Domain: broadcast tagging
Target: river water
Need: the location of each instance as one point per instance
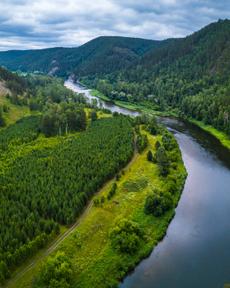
(107, 105)
(195, 253)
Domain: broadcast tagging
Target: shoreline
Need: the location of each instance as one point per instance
(219, 135)
(130, 206)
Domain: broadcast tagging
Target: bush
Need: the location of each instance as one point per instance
(150, 156)
(162, 161)
(158, 202)
(2, 120)
(112, 191)
(152, 126)
(125, 237)
(93, 115)
(142, 142)
(56, 272)
(169, 141)
(157, 144)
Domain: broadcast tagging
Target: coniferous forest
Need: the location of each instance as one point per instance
(42, 187)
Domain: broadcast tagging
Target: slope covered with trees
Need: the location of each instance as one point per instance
(190, 75)
(15, 83)
(99, 56)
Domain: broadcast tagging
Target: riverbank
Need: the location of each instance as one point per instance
(222, 137)
(144, 107)
(95, 263)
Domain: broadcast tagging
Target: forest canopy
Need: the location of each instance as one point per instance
(61, 175)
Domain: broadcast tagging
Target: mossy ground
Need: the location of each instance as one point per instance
(95, 263)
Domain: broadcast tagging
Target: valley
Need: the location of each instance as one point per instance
(114, 163)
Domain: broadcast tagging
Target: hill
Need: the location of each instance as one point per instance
(11, 87)
(190, 75)
(99, 56)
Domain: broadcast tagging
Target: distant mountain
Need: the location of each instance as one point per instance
(206, 51)
(99, 56)
(190, 74)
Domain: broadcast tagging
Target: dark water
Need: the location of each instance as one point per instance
(196, 250)
(195, 253)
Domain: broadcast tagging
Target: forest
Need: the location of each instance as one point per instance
(128, 217)
(54, 160)
(46, 182)
(99, 56)
(189, 76)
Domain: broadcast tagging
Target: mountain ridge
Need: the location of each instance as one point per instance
(117, 50)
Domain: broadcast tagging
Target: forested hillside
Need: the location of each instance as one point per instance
(12, 81)
(99, 56)
(190, 75)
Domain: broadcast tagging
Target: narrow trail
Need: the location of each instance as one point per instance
(56, 243)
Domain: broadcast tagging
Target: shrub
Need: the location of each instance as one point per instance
(142, 142)
(169, 141)
(125, 236)
(158, 202)
(157, 144)
(150, 156)
(162, 161)
(2, 120)
(112, 191)
(56, 272)
(93, 115)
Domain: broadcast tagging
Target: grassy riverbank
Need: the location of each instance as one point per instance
(95, 263)
(221, 136)
(140, 107)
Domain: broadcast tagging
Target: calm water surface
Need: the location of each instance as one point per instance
(107, 105)
(195, 253)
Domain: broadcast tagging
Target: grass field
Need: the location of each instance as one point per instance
(15, 112)
(95, 263)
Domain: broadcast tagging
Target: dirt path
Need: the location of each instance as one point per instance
(54, 245)
(50, 248)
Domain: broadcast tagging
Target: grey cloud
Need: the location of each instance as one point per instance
(42, 23)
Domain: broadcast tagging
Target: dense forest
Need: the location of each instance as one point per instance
(99, 56)
(189, 75)
(44, 185)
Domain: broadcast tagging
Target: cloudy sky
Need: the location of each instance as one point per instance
(47, 23)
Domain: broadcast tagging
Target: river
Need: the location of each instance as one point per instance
(103, 104)
(195, 253)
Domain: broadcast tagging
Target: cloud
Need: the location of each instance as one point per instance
(37, 24)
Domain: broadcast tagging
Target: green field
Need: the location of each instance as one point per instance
(15, 112)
